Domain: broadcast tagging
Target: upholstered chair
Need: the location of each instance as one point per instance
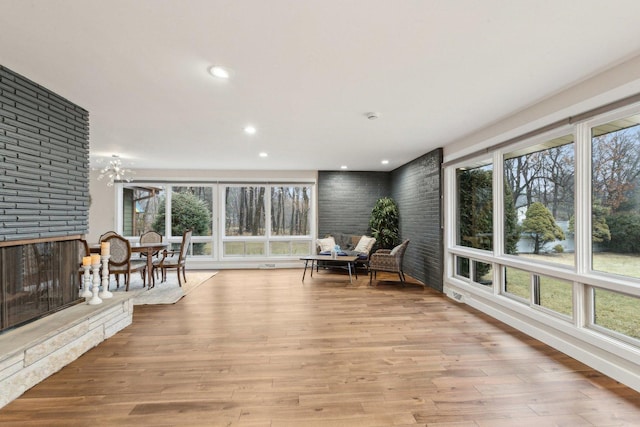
(120, 261)
(151, 237)
(389, 260)
(175, 259)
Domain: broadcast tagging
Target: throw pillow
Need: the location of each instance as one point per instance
(365, 244)
(326, 244)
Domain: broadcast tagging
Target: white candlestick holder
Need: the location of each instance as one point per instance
(86, 283)
(95, 299)
(105, 294)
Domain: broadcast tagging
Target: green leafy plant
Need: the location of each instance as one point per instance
(539, 222)
(384, 223)
(187, 211)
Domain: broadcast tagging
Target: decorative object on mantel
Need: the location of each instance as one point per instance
(115, 172)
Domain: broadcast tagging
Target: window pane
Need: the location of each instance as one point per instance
(244, 211)
(290, 248)
(615, 210)
(279, 248)
(462, 267)
(483, 273)
(191, 208)
(142, 210)
(301, 247)
(254, 248)
(234, 248)
(517, 282)
(475, 207)
(201, 248)
(554, 294)
(539, 201)
(617, 312)
(290, 207)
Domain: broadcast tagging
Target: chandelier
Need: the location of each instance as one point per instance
(115, 172)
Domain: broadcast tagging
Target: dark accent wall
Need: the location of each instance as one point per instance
(44, 153)
(345, 200)
(417, 189)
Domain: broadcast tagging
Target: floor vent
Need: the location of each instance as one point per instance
(456, 296)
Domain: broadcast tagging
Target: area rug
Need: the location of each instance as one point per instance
(168, 292)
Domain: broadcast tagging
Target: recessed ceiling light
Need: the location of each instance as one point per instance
(250, 129)
(344, 167)
(263, 154)
(219, 72)
(385, 162)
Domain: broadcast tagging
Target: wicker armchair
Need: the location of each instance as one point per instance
(389, 260)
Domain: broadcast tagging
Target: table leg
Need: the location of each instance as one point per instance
(150, 267)
(306, 261)
(313, 261)
(349, 266)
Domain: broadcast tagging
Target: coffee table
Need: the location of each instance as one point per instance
(348, 262)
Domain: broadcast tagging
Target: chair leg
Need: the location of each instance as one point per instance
(184, 273)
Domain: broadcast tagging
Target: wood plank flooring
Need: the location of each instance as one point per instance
(261, 348)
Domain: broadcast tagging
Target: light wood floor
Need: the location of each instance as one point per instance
(260, 348)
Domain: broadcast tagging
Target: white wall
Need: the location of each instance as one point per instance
(611, 85)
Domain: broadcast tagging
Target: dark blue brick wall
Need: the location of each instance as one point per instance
(345, 200)
(44, 153)
(417, 189)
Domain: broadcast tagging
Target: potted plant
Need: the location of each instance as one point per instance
(384, 223)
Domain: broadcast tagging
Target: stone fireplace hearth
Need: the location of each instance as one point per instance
(32, 352)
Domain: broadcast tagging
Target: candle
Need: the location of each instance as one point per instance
(95, 259)
(86, 260)
(105, 248)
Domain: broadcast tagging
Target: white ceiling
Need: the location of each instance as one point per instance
(305, 72)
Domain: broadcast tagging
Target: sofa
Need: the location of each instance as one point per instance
(347, 244)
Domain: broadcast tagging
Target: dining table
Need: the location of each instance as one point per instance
(148, 249)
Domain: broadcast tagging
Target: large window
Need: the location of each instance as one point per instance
(615, 209)
(228, 220)
(539, 201)
(267, 220)
(140, 208)
(475, 207)
(245, 211)
(290, 207)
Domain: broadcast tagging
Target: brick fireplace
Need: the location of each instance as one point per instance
(44, 208)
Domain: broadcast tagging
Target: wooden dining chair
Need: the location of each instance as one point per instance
(120, 261)
(151, 237)
(107, 234)
(175, 259)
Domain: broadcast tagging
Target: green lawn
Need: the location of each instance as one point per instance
(614, 311)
